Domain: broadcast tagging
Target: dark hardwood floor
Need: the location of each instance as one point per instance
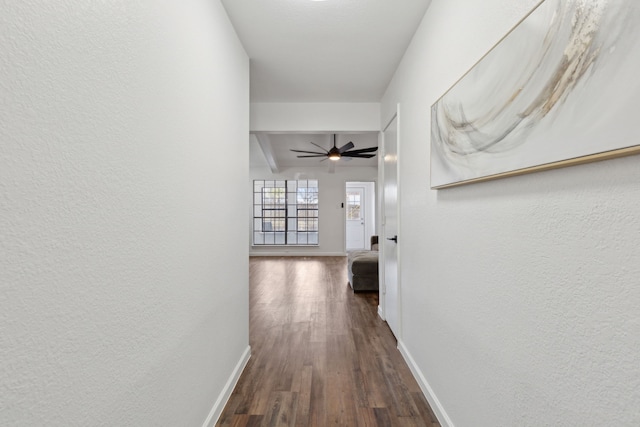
(321, 355)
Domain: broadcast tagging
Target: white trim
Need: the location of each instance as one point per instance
(295, 253)
(428, 392)
(273, 245)
(223, 398)
(382, 219)
(399, 215)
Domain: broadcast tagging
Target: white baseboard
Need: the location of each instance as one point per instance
(295, 253)
(435, 404)
(222, 400)
(380, 313)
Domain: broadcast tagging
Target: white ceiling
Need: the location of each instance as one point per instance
(322, 51)
(274, 149)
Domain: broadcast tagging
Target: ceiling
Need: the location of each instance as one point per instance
(274, 149)
(322, 51)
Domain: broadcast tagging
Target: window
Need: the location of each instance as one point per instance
(353, 205)
(285, 212)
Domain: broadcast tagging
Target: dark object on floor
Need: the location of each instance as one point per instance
(362, 268)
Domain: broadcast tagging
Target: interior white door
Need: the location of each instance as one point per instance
(390, 242)
(355, 211)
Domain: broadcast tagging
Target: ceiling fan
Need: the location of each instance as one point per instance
(336, 153)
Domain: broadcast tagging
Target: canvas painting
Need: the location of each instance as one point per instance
(562, 86)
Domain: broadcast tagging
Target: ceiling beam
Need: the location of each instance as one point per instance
(267, 149)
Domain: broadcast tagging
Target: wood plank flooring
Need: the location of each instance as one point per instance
(321, 356)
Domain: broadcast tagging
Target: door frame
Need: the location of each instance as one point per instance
(382, 308)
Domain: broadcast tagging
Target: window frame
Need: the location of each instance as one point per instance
(291, 204)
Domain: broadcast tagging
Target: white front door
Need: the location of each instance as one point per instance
(355, 211)
(390, 205)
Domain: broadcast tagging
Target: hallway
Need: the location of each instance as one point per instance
(320, 354)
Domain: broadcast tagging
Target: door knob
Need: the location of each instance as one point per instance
(394, 238)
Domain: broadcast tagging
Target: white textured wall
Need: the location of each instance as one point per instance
(521, 297)
(332, 192)
(123, 256)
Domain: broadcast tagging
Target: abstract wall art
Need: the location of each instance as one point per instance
(561, 88)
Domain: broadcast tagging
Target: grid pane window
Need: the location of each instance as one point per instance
(353, 205)
(285, 212)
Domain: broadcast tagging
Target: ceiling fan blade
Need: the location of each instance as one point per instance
(319, 146)
(345, 147)
(358, 156)
(314, 155)
(362, 150)
(308, 152)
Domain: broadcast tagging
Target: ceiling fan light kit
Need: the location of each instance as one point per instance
(336, 153)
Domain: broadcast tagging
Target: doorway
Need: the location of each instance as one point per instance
(360, 214)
